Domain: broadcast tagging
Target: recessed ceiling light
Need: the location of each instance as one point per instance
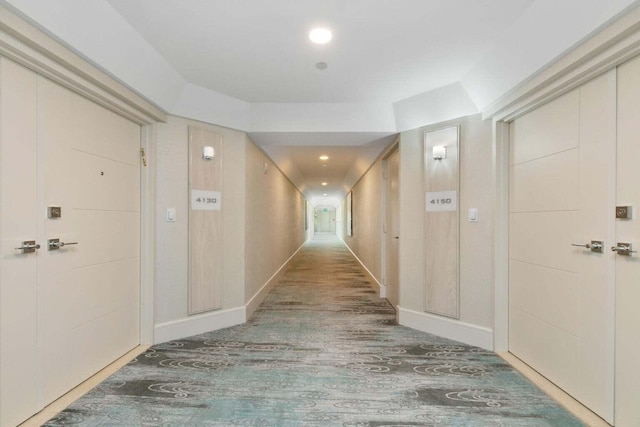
(320, 35)
(324, 183)
(324, 157)
(325, 194)
(321, 65)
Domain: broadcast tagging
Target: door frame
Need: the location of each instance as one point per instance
(613, 45)
(30, 47)
(389, 152)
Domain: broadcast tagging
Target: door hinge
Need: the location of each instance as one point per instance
(144, 157)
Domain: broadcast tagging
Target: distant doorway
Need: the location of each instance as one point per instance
(324, 220)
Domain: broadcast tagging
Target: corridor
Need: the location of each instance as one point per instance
(321, 350)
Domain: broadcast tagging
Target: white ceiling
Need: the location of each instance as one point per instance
(382, 50)
(393, 65)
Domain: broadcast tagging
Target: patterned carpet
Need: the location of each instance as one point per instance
(322, 350)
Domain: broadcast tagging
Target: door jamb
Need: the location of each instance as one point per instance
(147, 233)
(501, 248)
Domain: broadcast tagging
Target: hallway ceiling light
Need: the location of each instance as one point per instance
(325, 194)
(324, 183)
(320, 36)
(323, 157)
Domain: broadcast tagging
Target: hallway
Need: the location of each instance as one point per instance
(321, 350)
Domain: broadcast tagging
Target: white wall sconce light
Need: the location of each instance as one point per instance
(208, 153)
(439, 152)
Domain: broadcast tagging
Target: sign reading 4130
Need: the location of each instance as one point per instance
(203, 200)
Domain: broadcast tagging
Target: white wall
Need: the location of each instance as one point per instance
(274, 223)
(476, 239)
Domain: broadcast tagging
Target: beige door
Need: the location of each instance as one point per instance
(18, 218)
(562, 193)
(69, 312)
(326, 221)
(628, 231)
(91, 168)
(393, 228)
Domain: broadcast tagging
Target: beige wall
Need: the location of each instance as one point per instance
(476, 239)
(172, 237)
(263, 219)
(366, 241)
(274, 220)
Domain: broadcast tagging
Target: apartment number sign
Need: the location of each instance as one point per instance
(442, 201)
(202, 200)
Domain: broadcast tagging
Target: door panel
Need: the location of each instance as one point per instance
(562, 191)
(67, 313)
(18, 175)
(561, 120)
(544, 239)
(549, 184)
(97, 186)
(627, 340)
(531, 284)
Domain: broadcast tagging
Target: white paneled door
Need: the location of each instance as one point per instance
(561, 283)
(70, 310)
(19, 393)
(628, 231)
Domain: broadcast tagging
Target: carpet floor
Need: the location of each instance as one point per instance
(322, 350)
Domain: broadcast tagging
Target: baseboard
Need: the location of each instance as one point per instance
(447, 328)
(257, 299)
(198, 324)
(382, 289)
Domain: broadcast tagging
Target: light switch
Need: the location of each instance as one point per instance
(171, 214)
(473, 214)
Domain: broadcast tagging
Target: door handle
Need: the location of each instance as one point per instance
(623, 249)
(28, 246)
(55, 244)
(595, 246)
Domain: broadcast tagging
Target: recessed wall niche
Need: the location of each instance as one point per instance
(441, 221)
(205, 220)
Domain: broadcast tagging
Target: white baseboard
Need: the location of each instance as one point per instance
(198, 324)
(257, 299)
(214, 320)
(382, 289)
(447, 328)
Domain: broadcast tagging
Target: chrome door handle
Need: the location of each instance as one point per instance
(595, 246)
(28, 246)
(55, 244)
(623, 249)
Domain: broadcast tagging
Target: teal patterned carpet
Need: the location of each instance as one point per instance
(322, 350)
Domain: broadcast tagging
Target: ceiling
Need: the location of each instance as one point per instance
(259, 52)
(392, 65)
(382, 50)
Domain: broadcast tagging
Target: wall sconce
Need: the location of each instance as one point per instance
(207, 153)
(439, 152)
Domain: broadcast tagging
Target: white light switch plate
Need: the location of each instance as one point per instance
(473, 214)
(171, 214)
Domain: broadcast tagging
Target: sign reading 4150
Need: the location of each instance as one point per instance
(441, 201)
